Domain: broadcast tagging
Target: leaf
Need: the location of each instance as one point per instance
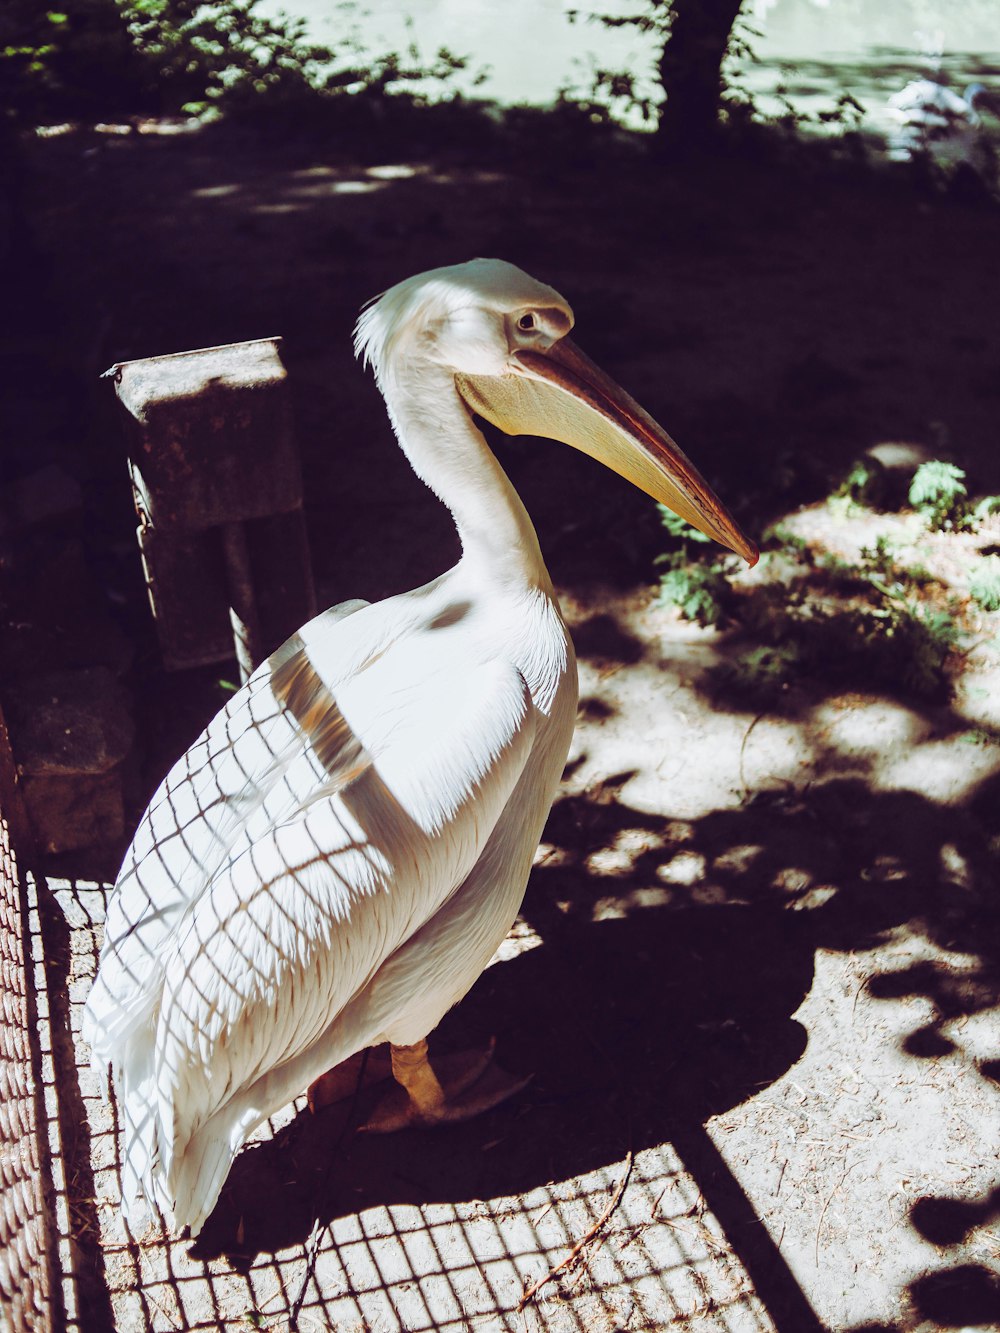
(679, 527)
(938, 492)
(984, 584)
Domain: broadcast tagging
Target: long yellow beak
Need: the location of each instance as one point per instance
(561, 395)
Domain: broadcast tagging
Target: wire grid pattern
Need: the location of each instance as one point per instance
(25, 1298)
(661, 1259)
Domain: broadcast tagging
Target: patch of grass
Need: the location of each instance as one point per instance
(873, 622)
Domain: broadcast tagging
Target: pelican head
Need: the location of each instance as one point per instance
(504, 337)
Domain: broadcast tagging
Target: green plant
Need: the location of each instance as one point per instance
(70, 57)
(760, 674)
(679, 527)
(864, 622)
(984, 583)
(880, 559)
(918, 642)
(938, 493)
(785, 540)
(694, 581)
(700, 590)
(862, 484)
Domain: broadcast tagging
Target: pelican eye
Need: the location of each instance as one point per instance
(526, 322)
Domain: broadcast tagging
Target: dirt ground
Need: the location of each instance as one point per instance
(758, 955)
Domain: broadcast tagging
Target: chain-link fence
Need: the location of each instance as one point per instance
(25, 1244)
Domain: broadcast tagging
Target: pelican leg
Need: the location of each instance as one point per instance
(460, 1087)
(341, 1082)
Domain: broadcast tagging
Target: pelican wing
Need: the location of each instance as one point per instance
(247, 768)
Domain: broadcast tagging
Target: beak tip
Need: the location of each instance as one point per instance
(751, 554)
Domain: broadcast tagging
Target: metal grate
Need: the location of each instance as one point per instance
(25, 1290)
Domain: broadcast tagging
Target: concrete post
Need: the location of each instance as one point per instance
(216, 479)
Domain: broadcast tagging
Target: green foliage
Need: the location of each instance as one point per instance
(784, 539)
(695, 582)
(880, 565)
(88, 59)
(873, 622)
(897, 645)
(984, 585)
(679, 527)
(197, 54)
(759, 675)
(917, 642)
(986, 508)
(862, 484)
(938, 493)
(881, 559)
(699, 589)
(73, 57)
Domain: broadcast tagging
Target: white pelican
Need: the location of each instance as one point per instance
(932, 120)
(333, 862)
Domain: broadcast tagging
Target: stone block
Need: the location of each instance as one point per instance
(75, 811)
(72, 739)
(210, 435)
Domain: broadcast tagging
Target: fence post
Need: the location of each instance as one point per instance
(218, 490)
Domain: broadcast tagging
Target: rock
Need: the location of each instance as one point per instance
(68, 722)
(70, 813)
(56, 615)
(72, 739)
(896, 462)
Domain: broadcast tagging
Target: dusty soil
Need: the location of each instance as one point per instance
(758, 950)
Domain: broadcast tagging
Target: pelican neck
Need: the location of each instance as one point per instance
(450, 455)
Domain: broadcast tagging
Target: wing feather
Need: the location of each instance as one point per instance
(294, 928)
(252, 763)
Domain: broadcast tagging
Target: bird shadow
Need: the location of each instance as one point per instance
(663, 991)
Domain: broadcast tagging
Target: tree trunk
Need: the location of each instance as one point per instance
(690, 70)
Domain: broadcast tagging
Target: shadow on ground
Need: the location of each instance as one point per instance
(644, 1012)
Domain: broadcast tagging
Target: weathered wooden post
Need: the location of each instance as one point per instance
(218, 490)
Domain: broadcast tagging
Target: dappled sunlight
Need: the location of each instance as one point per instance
(309, 187)
(767, 917)
(696, 948)
(874, 820)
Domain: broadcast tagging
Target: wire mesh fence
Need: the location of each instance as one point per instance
(660, 1260)
(25, 1250)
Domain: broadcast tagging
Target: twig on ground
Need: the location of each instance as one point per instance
(843, 1176)
(819, 1224)
(743, 746)
(312, 1244)
(574, 1253)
